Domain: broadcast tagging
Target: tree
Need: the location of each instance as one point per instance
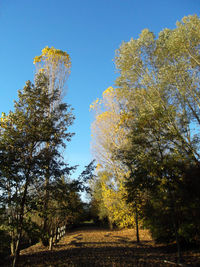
(149, 126)
(56, 65)
(65, 207)
(159, 88)
(105, 131)
(22, 152)
(107, 135)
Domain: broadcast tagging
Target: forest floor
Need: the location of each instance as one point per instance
(90, 246)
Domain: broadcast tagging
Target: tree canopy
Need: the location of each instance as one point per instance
(153, 134)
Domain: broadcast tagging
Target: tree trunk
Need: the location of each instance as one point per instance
(44, 238)
(17, 249)
(57, 235)
(177, 240)
(51, 242)
(175, 226)
(175, 223)
(12, 247)
(10, 220)
(110, 224)
(21, 219)
(136, 223)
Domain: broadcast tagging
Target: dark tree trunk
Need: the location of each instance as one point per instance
(20, 227)
(137, 226)
(45, 239)
(110, 224)
(51, 240)
(175, 223)
(177, 239)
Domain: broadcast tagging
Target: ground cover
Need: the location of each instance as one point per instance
(90, 246)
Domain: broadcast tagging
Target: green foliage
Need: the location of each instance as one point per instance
(160, 82)
(157, 95)
(26, 158)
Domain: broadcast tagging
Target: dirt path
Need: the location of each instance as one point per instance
(87, 247)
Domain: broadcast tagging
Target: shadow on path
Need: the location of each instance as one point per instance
(96, 247)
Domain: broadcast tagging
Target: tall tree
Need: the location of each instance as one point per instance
(159, 79)
(154, 135)
(22, 152)
(107, 135)
(56, 65)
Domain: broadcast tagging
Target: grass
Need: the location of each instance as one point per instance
(90, 246)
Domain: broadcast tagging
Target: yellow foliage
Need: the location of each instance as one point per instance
(103, 116)
(108, 91)
(94, 104)
(4, 120)
(106, 101)
(56, 64)
(53, 55)
(99, 166)
(119, 212)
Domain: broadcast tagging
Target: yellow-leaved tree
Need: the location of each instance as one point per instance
(107, 136)
(56, 64)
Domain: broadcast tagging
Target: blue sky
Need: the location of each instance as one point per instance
(90, 31)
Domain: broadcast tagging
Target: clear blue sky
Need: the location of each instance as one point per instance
(90, 31)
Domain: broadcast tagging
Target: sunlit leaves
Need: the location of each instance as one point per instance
(56, 64)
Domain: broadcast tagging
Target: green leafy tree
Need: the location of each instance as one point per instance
(158, 90)
(56, 65)
(24, 155)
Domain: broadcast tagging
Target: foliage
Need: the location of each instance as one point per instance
(151, 135)
(56, 64)
(108, 201)
(23, 152)
(159, 78)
